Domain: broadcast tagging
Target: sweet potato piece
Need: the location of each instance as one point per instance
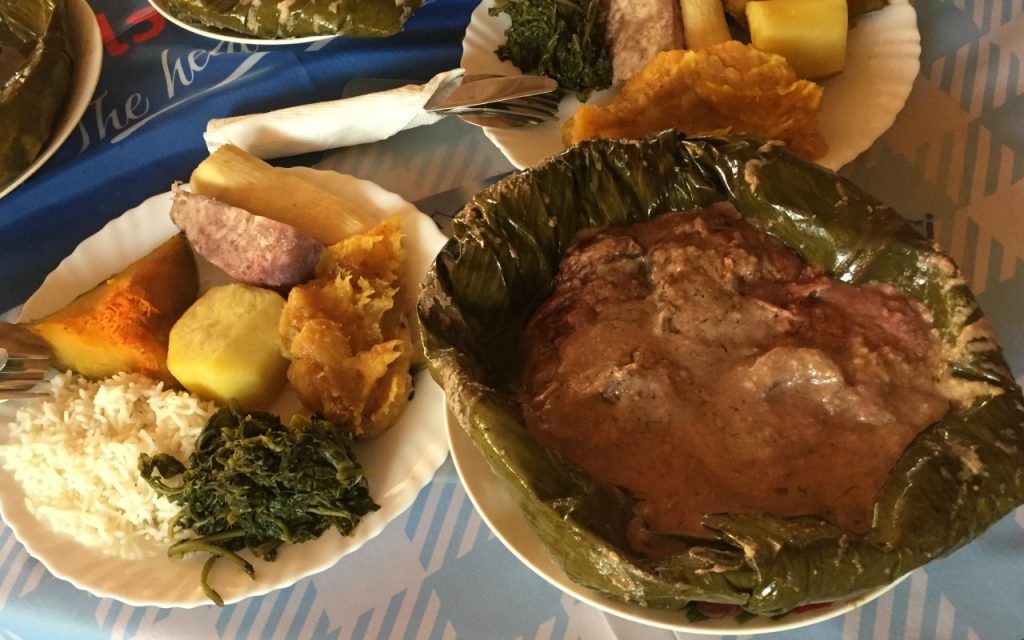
(123, 323)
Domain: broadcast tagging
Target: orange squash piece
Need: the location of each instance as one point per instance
(122, 325)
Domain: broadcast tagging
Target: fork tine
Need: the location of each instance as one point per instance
(549, 99)
(514, 119)
(26, 366)
(31, 374)
(504, 108)
(15, 395)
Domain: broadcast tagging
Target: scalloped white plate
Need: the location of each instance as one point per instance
(87, 49)
(499, 510)
(398, 463)
(858, 105)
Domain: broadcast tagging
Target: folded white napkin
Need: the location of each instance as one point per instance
(330, 125)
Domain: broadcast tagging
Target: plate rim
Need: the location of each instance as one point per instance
(418, 475)
(87, 62)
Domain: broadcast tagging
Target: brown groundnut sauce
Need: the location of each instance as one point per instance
(703, 366)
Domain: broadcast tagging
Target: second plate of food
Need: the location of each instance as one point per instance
(858, 105)
(397, 463)
(86, 49)
(285, 23)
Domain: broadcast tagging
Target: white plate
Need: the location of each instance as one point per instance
(87, 52)
(398, 463)
(230, 36)
(858, 105)
(501, 513)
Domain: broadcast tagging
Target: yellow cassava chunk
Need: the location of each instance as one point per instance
(809, 34)
(226, 346)
(703, 23)
(122, 324)
(243, 180)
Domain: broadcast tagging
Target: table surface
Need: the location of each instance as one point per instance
(953, 160)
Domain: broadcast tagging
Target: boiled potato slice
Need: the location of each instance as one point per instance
(226, 346)
(122, 325)
(809, 34)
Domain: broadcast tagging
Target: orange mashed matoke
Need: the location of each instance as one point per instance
(727, 88)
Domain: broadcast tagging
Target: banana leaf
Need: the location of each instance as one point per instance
(958, 477)
(35, 73)
(297, 18)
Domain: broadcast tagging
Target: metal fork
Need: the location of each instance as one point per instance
(516, 112)
(528, 100)
(24, 362)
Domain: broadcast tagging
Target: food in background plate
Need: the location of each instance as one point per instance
(726, 88)
(500, 265)
(75, 452)
(250, 248)
(347, 333)
(225, 346)
(703, 366)
(122, 325)
(242, 180)
(274, 19)
(704, 23)
(809, 34)
(35, 73)
(563, 40)
(254, 483)
(638, 30)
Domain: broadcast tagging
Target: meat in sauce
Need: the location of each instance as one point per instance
(703, 366)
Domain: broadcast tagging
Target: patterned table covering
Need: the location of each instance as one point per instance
(953, 161)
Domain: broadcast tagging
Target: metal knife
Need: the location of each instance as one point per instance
(442, 206)
(484, 88)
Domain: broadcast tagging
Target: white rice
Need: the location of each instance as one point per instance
(76, 455)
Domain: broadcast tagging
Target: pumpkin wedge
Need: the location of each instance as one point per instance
(123, 323)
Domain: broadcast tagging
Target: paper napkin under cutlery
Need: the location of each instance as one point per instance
(328, 125)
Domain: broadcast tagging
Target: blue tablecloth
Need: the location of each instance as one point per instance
(954, 158)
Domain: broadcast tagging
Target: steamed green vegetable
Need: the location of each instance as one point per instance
(297, 18)
(35, 72)
(563, 40)
(254, 483)
(956, 479)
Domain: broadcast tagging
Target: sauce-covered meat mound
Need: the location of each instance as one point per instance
(703, 366)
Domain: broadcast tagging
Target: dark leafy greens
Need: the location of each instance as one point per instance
(953, 481)
(254, 483)
(298, 18)
(563, 40)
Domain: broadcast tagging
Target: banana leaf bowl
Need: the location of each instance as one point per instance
(959, 475)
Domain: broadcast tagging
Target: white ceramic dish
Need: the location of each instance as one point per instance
(398, 463)
(858, 105)
(87, 47)
(230, 36)
(501, 513)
